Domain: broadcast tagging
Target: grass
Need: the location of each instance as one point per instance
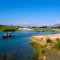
(8, 28)
(57, 45)
(39, 50)
(49, 40)
(42, 28)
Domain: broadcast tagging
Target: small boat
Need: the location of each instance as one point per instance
(8, 35)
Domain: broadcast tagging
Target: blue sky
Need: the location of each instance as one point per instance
(29, 12)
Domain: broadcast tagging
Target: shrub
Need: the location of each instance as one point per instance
(38, 50)
(57, 39)
(48, 40)
(57, 45)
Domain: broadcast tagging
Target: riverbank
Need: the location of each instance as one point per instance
(41, 28)
(57, 30)
(6, 28)
(25, 29)
(44, 28)
(46, 43)
(42, 39)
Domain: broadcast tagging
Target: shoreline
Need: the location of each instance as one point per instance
(48, 44)
(42, 38)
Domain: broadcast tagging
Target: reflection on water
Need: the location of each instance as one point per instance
(18, 47)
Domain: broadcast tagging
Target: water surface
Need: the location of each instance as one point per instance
(18, 47)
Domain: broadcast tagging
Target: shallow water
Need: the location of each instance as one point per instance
(18, 47)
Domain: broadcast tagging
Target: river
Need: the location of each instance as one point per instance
(18, 47)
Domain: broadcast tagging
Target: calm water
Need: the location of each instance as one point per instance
(18, 47)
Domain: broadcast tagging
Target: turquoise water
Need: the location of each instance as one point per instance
(18, 47)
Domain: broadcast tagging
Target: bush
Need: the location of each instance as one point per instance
(57, 45)
(8, 28)
(38, 50)
(57, 39)
(48, 40)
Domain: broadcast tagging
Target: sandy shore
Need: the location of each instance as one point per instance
(42, 39)
(28, 29)
(56, 29)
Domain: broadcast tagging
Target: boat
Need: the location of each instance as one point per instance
(8, 35)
